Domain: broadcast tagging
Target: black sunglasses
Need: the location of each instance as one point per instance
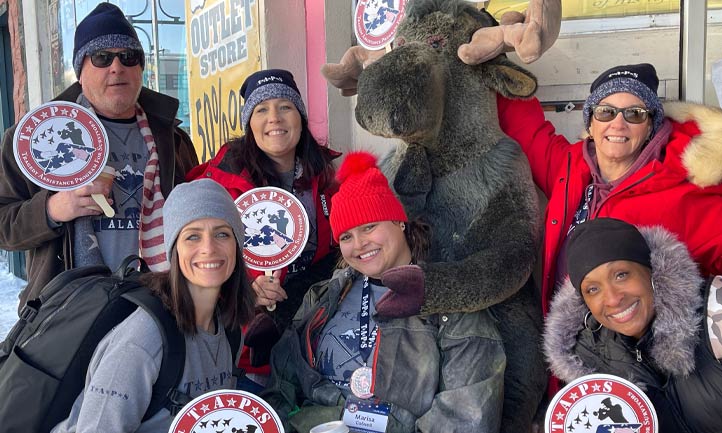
(607, 113)
(103, 59)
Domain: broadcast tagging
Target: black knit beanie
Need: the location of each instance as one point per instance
(269, 84)
(104, 27)
(640, 80)
(600, 241)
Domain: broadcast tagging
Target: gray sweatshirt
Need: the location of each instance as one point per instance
(124, 368)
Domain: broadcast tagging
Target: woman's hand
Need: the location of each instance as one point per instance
(268, 289)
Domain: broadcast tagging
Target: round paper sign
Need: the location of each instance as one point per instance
(228, 411)
(601, 403)
(375, 22)
(276, 228)
(60, 146)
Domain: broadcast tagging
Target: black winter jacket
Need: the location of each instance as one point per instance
(673, 362)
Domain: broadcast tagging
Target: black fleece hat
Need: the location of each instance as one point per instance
(104, 27)
(600, 241)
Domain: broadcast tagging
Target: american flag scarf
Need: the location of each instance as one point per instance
(150, 234)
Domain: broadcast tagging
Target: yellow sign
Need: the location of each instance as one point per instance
(223, 46)
(574, 9)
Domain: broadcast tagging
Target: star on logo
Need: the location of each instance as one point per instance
(560, 416)
(255, 411)
(28, 129)
(44, 115)
(64, 111)
(232, 402)
(245, 204)
(574, 396)
(280, 199)
(263, 196)
(205, 408)
(596, 387)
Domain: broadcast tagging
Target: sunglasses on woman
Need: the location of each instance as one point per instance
(103, 59)
(607, 113)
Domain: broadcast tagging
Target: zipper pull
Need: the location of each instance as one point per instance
(639, 355)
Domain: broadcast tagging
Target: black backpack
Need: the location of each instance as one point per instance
(45, 357)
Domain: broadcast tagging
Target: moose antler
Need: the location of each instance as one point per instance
(344, 75)
(529, 34)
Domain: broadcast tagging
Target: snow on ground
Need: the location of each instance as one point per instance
(10, 286)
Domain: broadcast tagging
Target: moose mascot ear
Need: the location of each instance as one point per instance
(508, 79)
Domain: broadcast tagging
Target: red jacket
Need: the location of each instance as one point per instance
(682, 193)
(237, 184)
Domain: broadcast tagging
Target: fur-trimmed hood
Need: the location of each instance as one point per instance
(703, 156)
(678, 316)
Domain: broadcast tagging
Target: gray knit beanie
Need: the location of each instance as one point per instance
(269, 84)
(104, 27)
(202, 198)
(639, 80)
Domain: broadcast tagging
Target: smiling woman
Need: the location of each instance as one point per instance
(636, 307)
(419, 368)
(206, 292)
(278, 150)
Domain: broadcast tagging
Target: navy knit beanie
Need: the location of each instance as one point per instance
(640, 80)
(269, 84)
(604, 240)
(104, 27)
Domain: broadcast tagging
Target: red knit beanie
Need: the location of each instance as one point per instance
(364, 195)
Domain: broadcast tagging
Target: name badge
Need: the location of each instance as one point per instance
(366, 416)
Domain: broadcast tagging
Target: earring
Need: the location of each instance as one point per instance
(403, 226)
(654, 289)
(586, 325)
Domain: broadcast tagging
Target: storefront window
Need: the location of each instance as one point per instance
(159, 23)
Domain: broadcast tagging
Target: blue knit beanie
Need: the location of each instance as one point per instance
(104, 27)
(269, 84)
(640, 80)
(202, 198)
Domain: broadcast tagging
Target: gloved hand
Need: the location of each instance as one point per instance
(261, 334)
(406, 292)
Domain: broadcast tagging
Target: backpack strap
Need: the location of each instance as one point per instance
(124, 269)
(165, 388)
(235, 339)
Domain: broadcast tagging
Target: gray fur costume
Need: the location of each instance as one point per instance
(460, 173)
(673, 362)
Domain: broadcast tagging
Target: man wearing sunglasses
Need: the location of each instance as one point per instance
(63, 230)
(644, 163)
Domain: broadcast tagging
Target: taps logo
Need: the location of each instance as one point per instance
(276, 228)
(228, 411)
(60, 146)
(600, 403)
(376, 21)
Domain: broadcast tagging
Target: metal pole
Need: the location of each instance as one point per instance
(156, 57)
(693, 50)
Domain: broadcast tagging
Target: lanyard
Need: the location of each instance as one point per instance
(367, 338)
